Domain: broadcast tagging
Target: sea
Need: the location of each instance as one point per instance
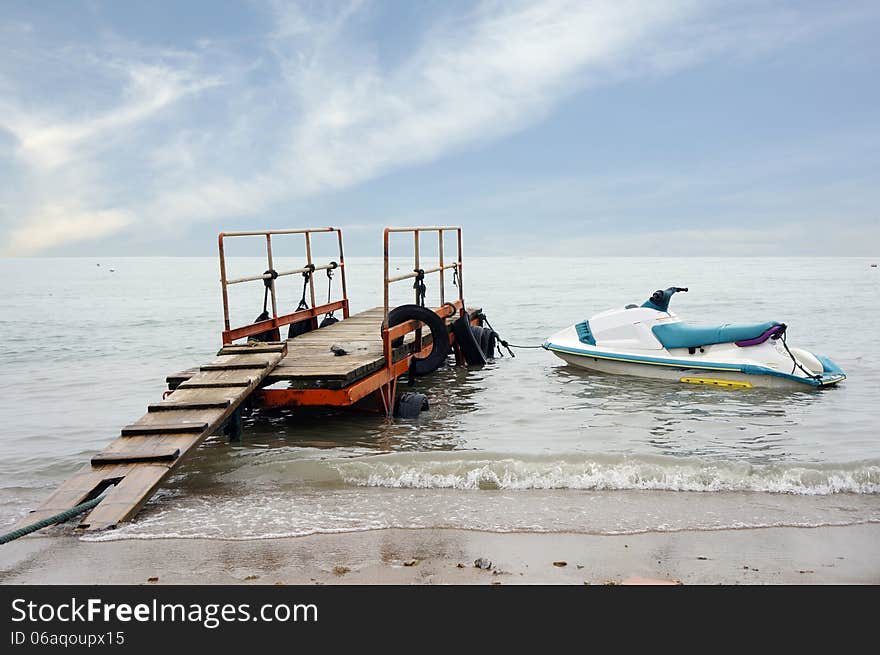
(523, 444)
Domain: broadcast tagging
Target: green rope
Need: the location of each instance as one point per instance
(52, 520)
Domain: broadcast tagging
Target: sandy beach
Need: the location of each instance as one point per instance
(826, 555)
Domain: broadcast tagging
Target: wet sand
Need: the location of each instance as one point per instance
(826, 555)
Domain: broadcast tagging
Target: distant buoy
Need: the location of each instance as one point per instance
(873, 265)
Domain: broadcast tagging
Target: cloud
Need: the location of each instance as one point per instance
(46, 143)
(59, 224)
(215, 130)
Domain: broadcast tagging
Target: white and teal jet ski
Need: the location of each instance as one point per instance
(651, 341)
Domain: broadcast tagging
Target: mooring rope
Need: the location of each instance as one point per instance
(419, 286)
(502, 342)
(52, 520)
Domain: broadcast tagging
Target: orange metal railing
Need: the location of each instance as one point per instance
(446, 309)
(441, 267)
(230, 334)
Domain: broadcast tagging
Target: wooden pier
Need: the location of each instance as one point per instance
(359, 358)
(311, 366)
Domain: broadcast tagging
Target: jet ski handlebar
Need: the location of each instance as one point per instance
(659, 300)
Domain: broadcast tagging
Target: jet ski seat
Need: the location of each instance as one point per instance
(682, 335)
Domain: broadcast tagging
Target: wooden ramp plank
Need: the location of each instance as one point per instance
(251, 349)
(214, 384)
(168, 406)
(140, 429)
(232, 367)
(126, 498)
(168, 454)
(74, 491)
(149, 449)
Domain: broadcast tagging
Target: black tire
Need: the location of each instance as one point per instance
(490, 352)
(328, 320)
(410, 405)
(482, 336)
(467, 343)
(484, 343)
(439, 336)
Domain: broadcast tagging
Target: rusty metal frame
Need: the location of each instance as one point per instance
(230, 334)
(381, 384)
(441, 267)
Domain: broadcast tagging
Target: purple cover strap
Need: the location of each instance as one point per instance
(761, 339)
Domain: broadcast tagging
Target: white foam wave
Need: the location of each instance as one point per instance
(657, 474)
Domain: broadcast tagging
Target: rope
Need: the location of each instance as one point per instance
(499, 341)
(419, 286)
(307, 275)
(330, 285)
(797, 364)
(268, 282)
(52, 520)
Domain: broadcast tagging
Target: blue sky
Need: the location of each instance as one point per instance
(557, 127)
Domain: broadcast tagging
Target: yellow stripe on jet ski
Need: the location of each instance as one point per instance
(718, 383)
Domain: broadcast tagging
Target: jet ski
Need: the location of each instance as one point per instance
(649, 340)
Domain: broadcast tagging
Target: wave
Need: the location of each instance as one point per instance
(132, 535)
(485, 472)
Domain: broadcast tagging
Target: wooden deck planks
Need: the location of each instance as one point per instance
(310, 363)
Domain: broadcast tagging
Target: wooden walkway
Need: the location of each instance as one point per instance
(147, 451)
(310, 364)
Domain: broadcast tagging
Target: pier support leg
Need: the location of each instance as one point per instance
(387, 392)
(233, 426)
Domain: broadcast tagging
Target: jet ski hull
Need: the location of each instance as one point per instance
(725, 365)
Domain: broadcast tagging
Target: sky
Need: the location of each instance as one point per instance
(570, 128)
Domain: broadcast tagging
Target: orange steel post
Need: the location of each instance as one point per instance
(460, 274)
(440, 259)
(342, 271)
(223, 282)
(416, 257)
(271, 281)
(309, 262)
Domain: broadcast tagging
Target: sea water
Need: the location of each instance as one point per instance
(522, 444)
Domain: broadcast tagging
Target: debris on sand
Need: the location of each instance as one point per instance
(154, 578)
(560, 563)
(411, 562)
(340, 570)
(482, 563)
